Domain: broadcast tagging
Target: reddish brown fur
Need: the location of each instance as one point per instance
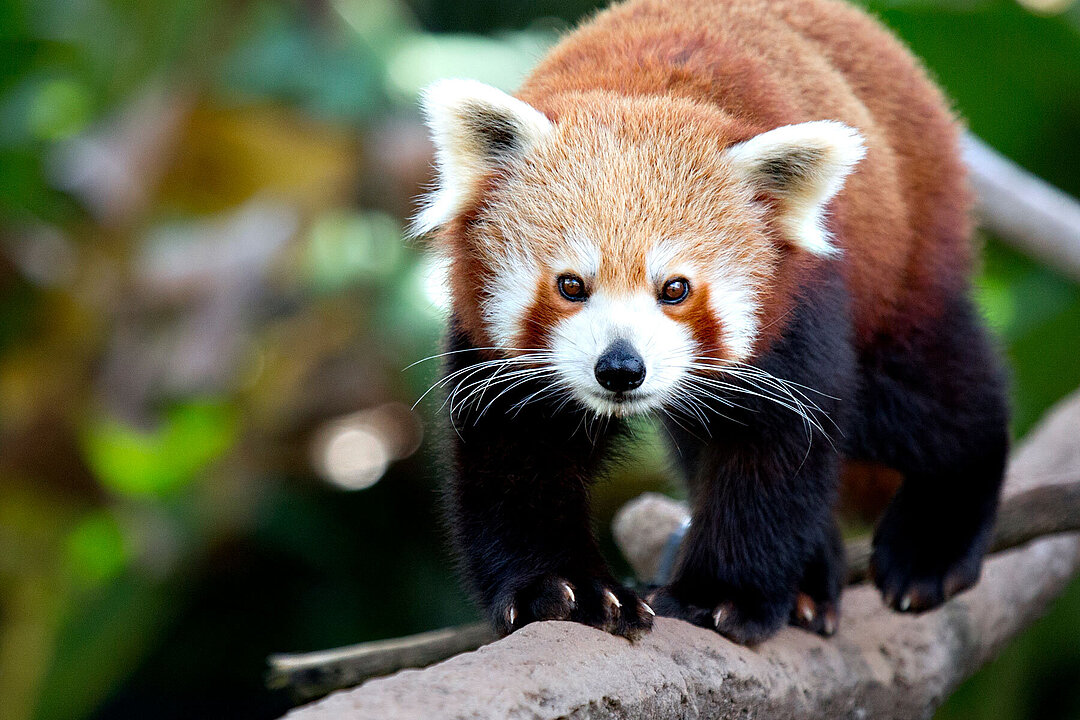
(866, 489)
(548, 308)
(697, 315)
(469, 275)
(902, 218)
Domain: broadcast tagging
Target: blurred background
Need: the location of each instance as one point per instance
(207, 452)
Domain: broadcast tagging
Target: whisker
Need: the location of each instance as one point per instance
(539, 395)
(481, 386)
(686, 395)
(542, 373)
(763, 385)
(474, 349)
(667, 431)
(731, 365)
(463, 375)
(687, 430)
(514, 379)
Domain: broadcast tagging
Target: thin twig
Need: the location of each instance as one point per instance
(313, 674)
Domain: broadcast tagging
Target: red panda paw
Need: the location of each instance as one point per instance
(916, 594)
(549, 597)
(621, 612)
(906, 587)
(743, 625)
(604, 605)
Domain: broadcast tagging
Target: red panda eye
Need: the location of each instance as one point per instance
(572, 287)
(675, 291)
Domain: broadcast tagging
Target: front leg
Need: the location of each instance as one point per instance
(763, 486)
(518, 505)
(760, 510)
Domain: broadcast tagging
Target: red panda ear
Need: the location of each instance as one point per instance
(802, 166)
(475, 128)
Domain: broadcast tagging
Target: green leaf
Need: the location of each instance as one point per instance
(96, 548)
(132, 462)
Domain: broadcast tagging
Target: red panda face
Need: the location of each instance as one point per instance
(623, 247)
(666, 264)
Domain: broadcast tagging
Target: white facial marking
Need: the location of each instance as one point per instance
(734, 303)
(582, 257)
(462, 115)
(514, 291)
(665, 346)
(660, 262)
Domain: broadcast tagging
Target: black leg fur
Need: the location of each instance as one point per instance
(817, 606)
(518, 500)
(763, 489)
(934, 409)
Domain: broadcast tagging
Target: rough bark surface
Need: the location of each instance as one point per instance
(880, 664)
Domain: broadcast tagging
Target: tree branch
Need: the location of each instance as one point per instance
(310, 675)
(1023, 210)
(880, 664)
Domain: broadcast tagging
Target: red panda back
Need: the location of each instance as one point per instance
(902, 218)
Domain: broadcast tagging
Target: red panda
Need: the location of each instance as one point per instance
(749, 218)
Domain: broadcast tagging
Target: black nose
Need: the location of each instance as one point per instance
(620, 368)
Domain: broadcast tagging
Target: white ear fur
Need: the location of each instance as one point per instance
(803, 166)
(474, 127)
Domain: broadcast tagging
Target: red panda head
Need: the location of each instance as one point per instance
(627, 245)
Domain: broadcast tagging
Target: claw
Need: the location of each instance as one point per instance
(804, 606)
(718, 615)
(569, 592)
(829, 625)
(612, 598)
(511, 615)
(905, 603)
(647, 608)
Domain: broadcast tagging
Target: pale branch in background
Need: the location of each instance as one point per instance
(1023, 210)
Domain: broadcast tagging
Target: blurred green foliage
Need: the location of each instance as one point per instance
(201, 273)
